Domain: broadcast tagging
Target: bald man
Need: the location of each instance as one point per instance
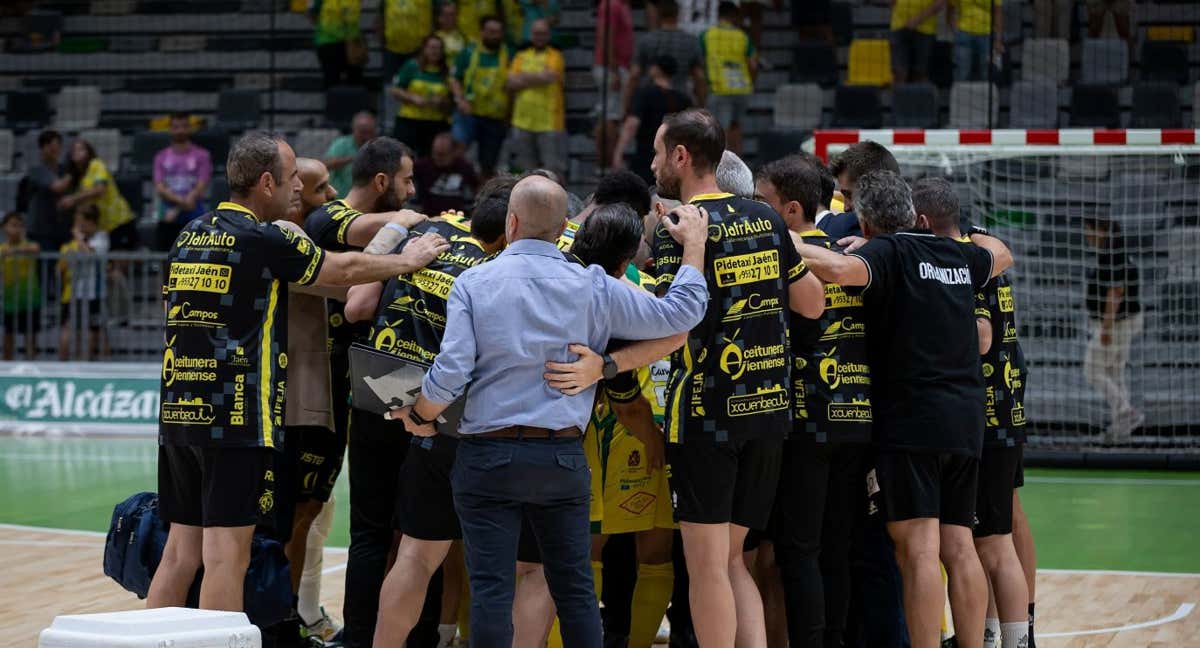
(520, 453)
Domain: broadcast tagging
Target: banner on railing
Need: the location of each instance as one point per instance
(96, 398)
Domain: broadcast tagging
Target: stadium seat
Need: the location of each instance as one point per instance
(815, 62)
(776, 144)
(1196, 105)
(26, 110)
(239, 109)
(798, 106)
(1033, 104)
(77, 108)
(941, 64)
(313, 142)
(1184, 33)
(915, 105)
(113, 7)
(841, 17)
(145, 146)
(1164, 61)
(9, 188)
(107, 142)
(969, 105)
(132, 44)
(1104, 60)
(1156, 105)
(857, 107)
(1045, 59)
(7, 148)
(181, 43)
(870, 62)
(341, 102)
(1095, 106)
(216, 142)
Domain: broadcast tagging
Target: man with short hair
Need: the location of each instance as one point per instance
(480, 97)
(650, 104)
(1004, 376)
(520, 455)
(729, 401)
(927, 395)
(225, 366)
(182, 172)
(848, 166)
(445, 180)
(731, 64)
(828, 184)
(686, 76)
(340, 156)
(39, 193)
(539, 127)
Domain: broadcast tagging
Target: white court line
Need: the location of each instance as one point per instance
(34, 456)
(1183, 610)
(1112, 481)
(25, 527)
(1117, 572)
(47, 543)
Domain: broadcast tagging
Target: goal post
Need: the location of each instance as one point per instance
(1036, 189)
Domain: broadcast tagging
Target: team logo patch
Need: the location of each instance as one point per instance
(635, 459)
(266, 502)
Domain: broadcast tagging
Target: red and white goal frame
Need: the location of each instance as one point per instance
(1005, 142)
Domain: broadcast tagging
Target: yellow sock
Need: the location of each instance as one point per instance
(650, 598)
(947, 627)
(598, 577)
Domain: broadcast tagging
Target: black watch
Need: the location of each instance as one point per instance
(610, 367)
(417, 418)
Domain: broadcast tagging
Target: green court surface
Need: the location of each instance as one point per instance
(1082, 519)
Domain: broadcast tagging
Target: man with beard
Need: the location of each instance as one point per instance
(382, 182)
(479, 94)
(729, 400)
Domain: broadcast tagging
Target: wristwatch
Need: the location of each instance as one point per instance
(417, 418)
(610, 367)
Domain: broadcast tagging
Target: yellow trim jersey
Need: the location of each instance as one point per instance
(733, 378)
(1004, 370)
(727, 51)
(224, 370)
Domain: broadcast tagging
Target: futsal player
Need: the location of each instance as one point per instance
(729, 400)
(1004, 376)
(927, 395)
(820, 488)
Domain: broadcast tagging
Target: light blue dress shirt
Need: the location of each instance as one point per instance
(506, 318)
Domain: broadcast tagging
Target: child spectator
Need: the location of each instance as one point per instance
(22, 291)
(82, 273)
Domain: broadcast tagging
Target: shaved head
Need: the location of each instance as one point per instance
(537, 209)
(309, 167)
(316, 189)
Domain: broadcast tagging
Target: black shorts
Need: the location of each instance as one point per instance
(316, 454)
(729, 482)
(997, 480)
(927, 485)
(216, 487)
(425, 505)
(29, 321)
(1020, 481)
(124, 237)
(84, 310)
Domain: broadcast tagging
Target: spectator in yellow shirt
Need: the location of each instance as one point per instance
(405, 24)
(978, 34)
(447, 30)
(22, 290)
(731, 64)
(92, 184)
(423, 90)
(914, 29)
(535, 79)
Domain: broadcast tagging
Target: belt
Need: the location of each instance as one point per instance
(530, 432)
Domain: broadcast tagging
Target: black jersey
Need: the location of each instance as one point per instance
(831, 374)
(733, 377)
(225, 364)
(1004, 372)
(927, 387)
(411, 317)
(329, 223)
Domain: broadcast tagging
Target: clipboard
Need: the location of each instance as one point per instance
(380, 381)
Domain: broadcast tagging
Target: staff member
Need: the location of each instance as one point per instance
(225, 366)
(521, 452)
(927, 392)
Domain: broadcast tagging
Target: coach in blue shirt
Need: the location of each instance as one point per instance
(521, 453)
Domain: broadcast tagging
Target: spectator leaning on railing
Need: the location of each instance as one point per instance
(82, 286)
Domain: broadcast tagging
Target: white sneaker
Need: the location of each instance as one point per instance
(324, 628)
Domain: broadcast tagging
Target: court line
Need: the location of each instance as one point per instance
(1182, 611)
(1112, 481)
(1117, 572)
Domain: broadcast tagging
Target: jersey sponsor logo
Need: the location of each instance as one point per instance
(856, 411)
(283, 361)
(186, 368)
(770, 399)
(458, 258)
(387, 341)
(947, 276)
(989, 407)
(836, 297)
(188, 412)
(638, 502)
(1012, 376)
(239, 358)
(185, 315)
(1004, 293)
(433, 282)
(1010, 331)
(739, 229)
(237, 415)
(635, 459)
(200, 277)
(844, 328)
(1018, 415)
(190, 239)
(746, 268)
(753, 306)
(835, 373)
(736, 361)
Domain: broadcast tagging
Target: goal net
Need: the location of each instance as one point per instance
(1085, 213)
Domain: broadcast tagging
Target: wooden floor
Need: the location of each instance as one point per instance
(46, 573)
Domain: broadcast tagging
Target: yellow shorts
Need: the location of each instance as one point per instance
(626, 495)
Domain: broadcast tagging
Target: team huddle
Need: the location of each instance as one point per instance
(790, 417)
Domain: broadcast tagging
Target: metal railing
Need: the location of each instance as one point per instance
(82, 306)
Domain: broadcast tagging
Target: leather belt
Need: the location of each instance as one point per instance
(530, 432)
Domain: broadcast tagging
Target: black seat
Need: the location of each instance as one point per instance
(1164, 61)
(777, 144)
(815, 62)
(239, 109)
(941, 64)
(915, 105)
(342, 102)
(841, 16)
(857, 106)
(216, 142)
(146, 145)
(1095, 106)
(26, 110)
(1156, 105)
